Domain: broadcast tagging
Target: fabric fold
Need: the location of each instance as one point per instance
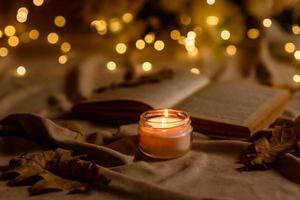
(46, 132)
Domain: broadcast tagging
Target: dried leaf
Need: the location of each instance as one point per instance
(54, 170)
(269, 145)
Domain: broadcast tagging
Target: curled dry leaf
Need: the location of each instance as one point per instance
(54, 170)
(271, 144)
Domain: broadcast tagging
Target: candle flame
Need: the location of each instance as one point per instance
(164, 119)
(166, 113)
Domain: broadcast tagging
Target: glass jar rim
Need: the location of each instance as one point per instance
(182, 116)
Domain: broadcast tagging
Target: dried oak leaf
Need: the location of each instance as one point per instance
(54, 170)
(271, 144)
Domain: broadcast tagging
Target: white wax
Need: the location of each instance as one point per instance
(164, 122)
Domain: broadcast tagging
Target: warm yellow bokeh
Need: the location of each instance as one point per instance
(210, 2)
(182, 40)
(147, 66)
(140, 44)
(175, 34)
(21, 71)
(9, 30)
(62, 59)
(115, 25)
(38, 2)
(111, 65)
(127, 17)
(193, 52)
(253, 33)
(34, 34)
(297, 55)
(149, 38)
(22, 14)
(13, 41)
(121, 48)
(65, 47)
(296, 29)
(296, 78)
(60, 21)
(3, 51)
(191, 34)
(289, 47)
(52, 38)
(231, 50)
(159, 45)
(100, 26)
(225, 35)
(267, 22)
(195, 70)
(212, 20)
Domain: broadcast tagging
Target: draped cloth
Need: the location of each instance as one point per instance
(208, 171)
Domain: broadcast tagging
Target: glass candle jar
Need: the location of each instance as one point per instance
(165, 133)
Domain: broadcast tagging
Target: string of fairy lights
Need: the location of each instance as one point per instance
(189, 40)
(15, 38)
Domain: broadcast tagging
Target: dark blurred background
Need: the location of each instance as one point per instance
(44, 43)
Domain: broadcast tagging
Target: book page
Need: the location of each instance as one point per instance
(238, 103)
(83, 79)
(164, 94)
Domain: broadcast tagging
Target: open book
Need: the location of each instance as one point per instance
(229, 110)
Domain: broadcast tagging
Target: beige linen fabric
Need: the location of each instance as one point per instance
(208, 171)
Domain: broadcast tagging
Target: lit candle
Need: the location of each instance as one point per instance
(165, 133)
